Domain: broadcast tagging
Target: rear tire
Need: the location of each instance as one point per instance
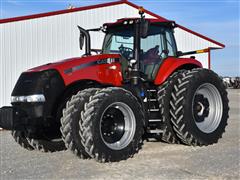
(70, 122)
(20, 138)
(199, 107)
(112, 125)
(164, 98)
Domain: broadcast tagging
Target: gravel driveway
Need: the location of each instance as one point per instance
(156, 160)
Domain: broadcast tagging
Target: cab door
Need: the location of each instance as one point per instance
(156, 47)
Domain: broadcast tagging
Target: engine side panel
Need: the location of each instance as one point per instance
(102, 73)
(105, 69)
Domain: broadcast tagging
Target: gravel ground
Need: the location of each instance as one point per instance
(155, 161)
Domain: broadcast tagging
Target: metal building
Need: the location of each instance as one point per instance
(33, 40)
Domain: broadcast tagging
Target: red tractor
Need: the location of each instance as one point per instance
(103, 106)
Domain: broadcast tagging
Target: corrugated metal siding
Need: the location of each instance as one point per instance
(29, 43)
(190, 42)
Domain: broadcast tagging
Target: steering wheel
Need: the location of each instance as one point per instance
(126, 51)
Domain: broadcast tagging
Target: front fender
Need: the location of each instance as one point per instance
(171, 64)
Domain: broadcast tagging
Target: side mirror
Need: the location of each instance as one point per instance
(81, 40)
(144, 28)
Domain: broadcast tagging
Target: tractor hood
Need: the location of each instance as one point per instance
(67, 64)
(104, 68)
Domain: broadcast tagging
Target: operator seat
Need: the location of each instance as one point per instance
(151, 61)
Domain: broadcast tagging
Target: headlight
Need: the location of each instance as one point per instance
(30, 98)
(131, 22)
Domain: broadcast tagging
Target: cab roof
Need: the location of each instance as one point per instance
(128, 21)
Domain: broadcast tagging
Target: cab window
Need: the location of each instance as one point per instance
(171, 45)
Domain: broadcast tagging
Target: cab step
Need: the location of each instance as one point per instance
(153, 110)
(155, 131)
(152, 100)
(152, 90)
(154, 120)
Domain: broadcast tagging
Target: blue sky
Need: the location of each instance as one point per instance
(217, 19)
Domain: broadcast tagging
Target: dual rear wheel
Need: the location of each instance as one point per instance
(194, 107)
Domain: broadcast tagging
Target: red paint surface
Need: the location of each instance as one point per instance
(170, 65)
(102, 73)
(109, 73)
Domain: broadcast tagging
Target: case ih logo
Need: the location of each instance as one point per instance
(98, 62)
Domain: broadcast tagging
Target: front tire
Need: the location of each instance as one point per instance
(112, 125)
(43, 145)
(46, 145)
(70, 122)
(199, 107)
(21, 139)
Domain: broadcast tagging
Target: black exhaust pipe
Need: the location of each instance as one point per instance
(134, 74)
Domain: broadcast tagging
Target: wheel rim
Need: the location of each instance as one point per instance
(207, 108)
(117, 125)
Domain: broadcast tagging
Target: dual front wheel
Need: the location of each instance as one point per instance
(104, 124)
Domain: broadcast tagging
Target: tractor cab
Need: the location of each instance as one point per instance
(142, 43)
(148, 49)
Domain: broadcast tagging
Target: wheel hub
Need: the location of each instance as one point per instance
(113, 125)
(117, 125)
(201, 108)
(207, 108)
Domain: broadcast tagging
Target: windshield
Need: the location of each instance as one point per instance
(120, 40)
(117, 38)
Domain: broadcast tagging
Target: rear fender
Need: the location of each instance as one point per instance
(171, 64)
